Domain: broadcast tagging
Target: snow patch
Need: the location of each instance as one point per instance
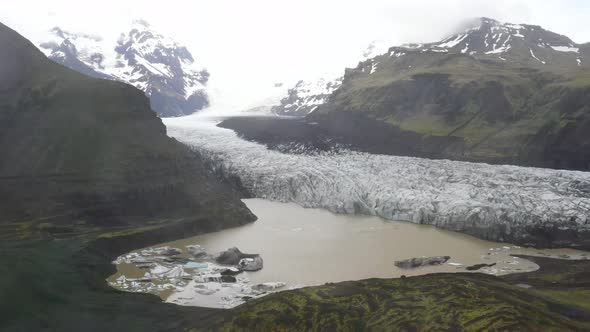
(533, 55)
(373, 68)
(566, 49)
(454, 42)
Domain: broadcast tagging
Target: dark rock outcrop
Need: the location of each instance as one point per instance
(412, 263)
(251, 264)
(477, 267)
(232, 256)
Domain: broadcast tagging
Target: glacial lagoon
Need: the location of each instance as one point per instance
(305, 247)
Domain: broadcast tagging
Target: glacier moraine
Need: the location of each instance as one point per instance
(529, 206)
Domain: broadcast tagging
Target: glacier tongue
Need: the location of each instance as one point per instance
(529, 206)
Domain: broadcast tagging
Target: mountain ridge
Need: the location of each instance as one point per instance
(484, 38)
(496, 93)
(159, 66)
(87, 149)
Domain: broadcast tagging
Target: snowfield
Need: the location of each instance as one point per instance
(529, 206)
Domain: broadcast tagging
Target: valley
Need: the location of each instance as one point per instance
(434, 186)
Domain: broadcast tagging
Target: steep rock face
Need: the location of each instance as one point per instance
(79, 149)
(162, 68)
(496, 92)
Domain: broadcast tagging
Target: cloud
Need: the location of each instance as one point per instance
(250, 45)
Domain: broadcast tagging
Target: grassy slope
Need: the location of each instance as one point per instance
(49, 282)
(502, 111)
(438, 302)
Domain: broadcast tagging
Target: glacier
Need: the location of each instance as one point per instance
(522, 205)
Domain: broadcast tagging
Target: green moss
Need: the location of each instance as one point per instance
(466, 302)
(127, 231)
(576, 297)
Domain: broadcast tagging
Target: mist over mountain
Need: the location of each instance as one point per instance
(163, 69)
(495, 92)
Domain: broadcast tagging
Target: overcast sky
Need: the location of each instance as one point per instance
(249, 45)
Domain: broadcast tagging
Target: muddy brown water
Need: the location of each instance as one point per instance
(312, 246)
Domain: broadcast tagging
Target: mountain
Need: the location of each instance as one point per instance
(87, 173)
(163, 69)
(495, 92)
(73, 147)
(307, 95)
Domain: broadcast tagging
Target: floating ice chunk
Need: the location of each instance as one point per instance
(159, 269)
(196, 265)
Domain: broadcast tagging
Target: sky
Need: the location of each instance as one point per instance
(247, 46)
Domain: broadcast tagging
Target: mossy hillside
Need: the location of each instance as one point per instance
(438, 302)
(502, 111)
(56, 281)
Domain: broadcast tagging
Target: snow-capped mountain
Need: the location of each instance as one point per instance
(159, 66)
(485, 38)
(306, 96)
(520, 43)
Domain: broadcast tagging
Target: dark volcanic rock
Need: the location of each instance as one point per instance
(421, 261)
(479, 266)
(232, 256)
(230, 272)
(251, 264)
(223, 278)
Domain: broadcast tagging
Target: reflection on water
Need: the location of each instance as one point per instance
(310, 247)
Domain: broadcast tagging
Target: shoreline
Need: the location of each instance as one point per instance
(146, 270)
